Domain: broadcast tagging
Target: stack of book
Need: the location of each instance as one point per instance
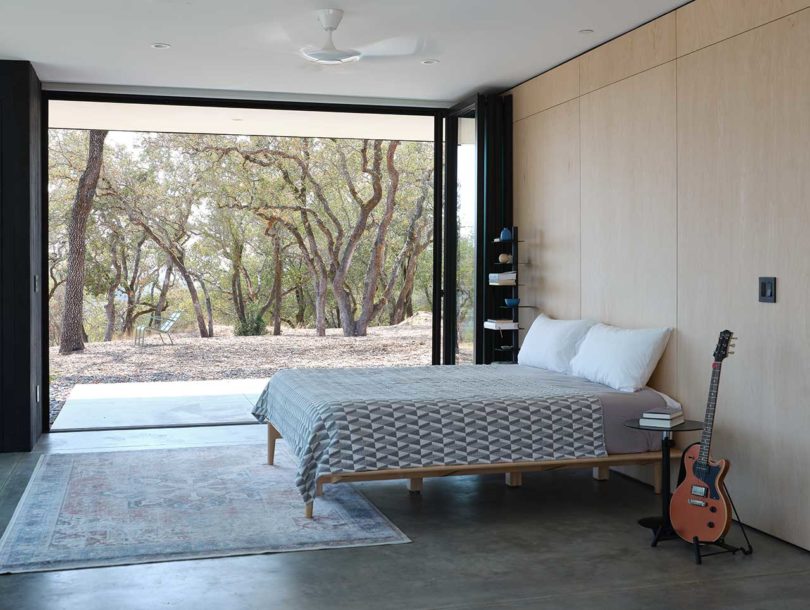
(663, 417)
(507, 278)
(505, 324)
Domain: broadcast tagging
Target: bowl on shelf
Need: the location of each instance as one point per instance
(512, 302)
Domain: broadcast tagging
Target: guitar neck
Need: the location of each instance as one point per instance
(711, 407)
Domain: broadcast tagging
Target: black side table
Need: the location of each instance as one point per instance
(661, 525)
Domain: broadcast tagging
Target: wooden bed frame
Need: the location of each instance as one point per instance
(513, 470)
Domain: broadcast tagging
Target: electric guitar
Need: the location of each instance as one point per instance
(700, 509)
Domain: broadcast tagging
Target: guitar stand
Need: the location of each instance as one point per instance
(727, 548)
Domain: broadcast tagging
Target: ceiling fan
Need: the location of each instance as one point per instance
(330, 19)
(329, 54)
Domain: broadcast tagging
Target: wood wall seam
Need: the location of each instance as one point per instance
(704, 23)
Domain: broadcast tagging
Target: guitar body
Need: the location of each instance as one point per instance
(700, 507)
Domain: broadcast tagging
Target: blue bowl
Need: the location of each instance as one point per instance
(514, 302)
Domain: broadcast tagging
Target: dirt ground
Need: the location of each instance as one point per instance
(227, 357)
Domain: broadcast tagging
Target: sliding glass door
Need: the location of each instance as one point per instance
(461, 226)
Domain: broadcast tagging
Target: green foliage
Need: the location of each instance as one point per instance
(253, 325)
(220, 214)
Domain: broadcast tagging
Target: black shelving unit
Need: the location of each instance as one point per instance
(505, 345)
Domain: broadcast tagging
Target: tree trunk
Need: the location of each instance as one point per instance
(345, 311)
(71, 339)
(301, 307)
(320, 307)
(236, 281)
(162, 302)
(277, 284)
(209, 308)
(109, 308)
(404, 303)
(131, 286)
(369, 306)
(195, 298)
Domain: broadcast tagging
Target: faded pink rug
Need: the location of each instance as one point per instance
(115, 508)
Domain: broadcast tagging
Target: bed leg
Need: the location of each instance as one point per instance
(319, 489)
(272, 435)
(415, 485)
(514, 479)
(601, 473)
(657, 477)
(308, 509)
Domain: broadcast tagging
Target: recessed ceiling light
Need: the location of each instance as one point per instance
(586, 31)
(161, 45)
(429, 62)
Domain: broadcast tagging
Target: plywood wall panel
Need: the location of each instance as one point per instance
(646, 47)
(744, 188)
(546, 191)
(549, 89)
(676, 230)
(706, 22)
(629, 207)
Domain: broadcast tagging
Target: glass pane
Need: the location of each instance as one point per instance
(466, 214)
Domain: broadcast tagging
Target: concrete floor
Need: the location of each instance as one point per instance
(563, 540)
(159, 403)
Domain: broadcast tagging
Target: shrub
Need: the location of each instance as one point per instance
(253, 326)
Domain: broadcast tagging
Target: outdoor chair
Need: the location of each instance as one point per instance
(156, 324)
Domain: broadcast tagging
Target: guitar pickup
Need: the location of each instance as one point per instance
(698, 490)
(696, 502)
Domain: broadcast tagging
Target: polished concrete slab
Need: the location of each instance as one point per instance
(159, 403)
(563, 540)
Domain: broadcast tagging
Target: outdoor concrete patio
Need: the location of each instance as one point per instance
(159, 404)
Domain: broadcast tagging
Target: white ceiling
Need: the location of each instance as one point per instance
(251, 46)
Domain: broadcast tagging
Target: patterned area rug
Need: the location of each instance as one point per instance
(101, 509)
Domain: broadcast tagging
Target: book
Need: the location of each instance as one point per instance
(662, 413)
(503, 277)
(661, 423)
(500, 325)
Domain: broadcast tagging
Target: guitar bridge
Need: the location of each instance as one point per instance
(696, 502)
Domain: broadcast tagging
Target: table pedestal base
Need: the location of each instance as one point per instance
(660, 529)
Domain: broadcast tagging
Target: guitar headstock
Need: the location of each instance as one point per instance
(721, 352)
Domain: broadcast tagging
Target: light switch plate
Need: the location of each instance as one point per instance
(767, 290)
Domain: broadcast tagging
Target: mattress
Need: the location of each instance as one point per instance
(358, 419)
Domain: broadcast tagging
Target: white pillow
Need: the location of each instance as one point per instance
(620, 358)
(550, 344)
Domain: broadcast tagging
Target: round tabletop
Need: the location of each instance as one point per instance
(690, 425)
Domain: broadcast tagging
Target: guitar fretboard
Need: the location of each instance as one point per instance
(711, 407)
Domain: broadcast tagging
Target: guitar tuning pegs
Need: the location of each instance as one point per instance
(732, 345)
(730, 353)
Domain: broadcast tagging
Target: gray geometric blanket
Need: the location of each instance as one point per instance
(356, 419)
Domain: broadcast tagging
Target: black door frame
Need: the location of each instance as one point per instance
(437, 113)
(468, 108)
(493, 133)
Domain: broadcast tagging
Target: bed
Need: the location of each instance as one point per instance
(353, 424)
